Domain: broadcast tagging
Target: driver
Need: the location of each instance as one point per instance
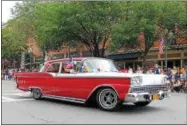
(69, 68)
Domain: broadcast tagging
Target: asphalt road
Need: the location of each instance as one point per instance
(19, 108)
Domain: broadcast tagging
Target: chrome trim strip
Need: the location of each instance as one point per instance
(30, 87)
(68, 99)
(60, 68)
(144, 96)
(104, 85)
(86, 76)
(149, 88)
(36, 76)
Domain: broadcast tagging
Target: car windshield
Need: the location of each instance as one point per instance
(41, 69)
(104, 65)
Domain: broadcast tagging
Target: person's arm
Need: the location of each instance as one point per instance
(67, 70)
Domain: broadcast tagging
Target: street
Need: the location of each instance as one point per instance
(20, 108)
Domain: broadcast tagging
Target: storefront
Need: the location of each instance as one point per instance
(175, 57)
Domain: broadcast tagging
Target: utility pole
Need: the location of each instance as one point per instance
(170, 37)
(166, 53)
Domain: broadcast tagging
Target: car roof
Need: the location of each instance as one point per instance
(65, 59)
(75, 59)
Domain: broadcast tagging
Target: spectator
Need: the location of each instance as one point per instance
(6, 74)
(174, 70)
(122, 69)
(169, 74)
(183, 74)
(139, 71)
(156, 69)
(162, 71)
(177, 76)
(150, 71)
(3, 74)
(10, 74)
(130, 70)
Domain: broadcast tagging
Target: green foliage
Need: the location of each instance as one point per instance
(171, 13)
(39, 20)
(12, 43)
(137, 21)
(146, 17)
(91, 23)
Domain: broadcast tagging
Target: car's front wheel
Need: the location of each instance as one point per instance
(107, 99)
(37, 93)
(141, 104)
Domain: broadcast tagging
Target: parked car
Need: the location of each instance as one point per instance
(92, 79)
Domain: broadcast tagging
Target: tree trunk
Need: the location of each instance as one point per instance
(96, 51)
(144, 60)
(43, 56)
(22, 65)
(102, 53)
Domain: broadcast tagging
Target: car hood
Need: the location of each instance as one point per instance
(151, 79)
(147, 79)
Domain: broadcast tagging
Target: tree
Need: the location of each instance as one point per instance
(171, 14)
(147, 17)
(92, 23)
(137, 21)
(89, 23)
(38, 20)
(12, 42)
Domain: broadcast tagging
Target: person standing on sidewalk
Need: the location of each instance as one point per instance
(10, 74)
(6, 74)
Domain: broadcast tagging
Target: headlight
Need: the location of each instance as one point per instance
(136, 81)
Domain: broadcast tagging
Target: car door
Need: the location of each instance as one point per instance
(48, 85)
(75, 85)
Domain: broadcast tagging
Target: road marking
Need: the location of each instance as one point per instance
(17, 100)
(7, 99)
(18, 94)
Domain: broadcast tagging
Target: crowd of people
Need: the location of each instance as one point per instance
(176, 77)
(8, 73)
(174, 73)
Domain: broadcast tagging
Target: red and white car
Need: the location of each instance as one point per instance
(92, 79)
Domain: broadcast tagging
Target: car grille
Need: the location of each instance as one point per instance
(149, 89)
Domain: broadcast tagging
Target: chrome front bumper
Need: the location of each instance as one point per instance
(143, 97)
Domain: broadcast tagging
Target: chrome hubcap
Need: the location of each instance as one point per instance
(108, 98)
(37, 93)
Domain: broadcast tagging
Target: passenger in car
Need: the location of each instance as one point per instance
(66, 68)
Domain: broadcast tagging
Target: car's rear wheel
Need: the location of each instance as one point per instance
(37, 93)
(142, 104)
(107, 99)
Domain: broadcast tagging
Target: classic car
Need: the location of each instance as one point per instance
(92, 79)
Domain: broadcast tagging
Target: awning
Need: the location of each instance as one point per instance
(127, 56)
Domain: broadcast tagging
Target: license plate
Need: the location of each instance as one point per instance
(156, 96)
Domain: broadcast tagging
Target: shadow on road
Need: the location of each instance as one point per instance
(133, 109)
(124, 109)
